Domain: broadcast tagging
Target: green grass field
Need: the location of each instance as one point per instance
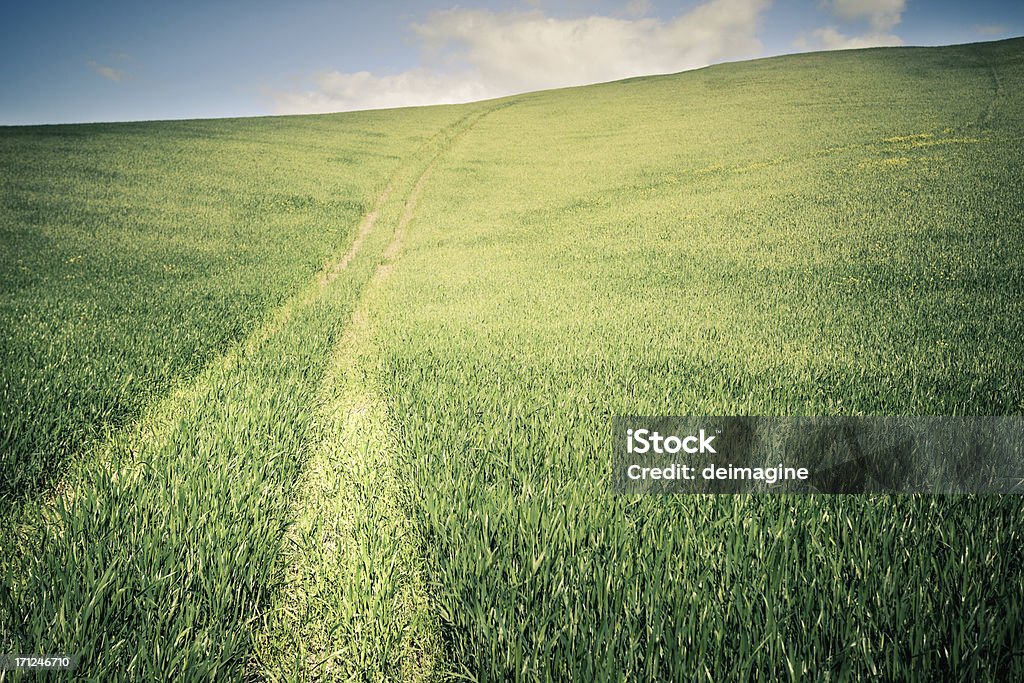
(330, 397)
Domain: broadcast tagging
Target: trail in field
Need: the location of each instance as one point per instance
(997, 94)
(330, 274)
(353, 597)
(354, 601)
(332, 270)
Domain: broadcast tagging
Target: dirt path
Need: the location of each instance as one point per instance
(330, 274)
(354, 600)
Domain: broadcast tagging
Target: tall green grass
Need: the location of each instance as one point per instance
(819, 234)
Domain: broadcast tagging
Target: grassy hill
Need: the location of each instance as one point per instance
(331, 395)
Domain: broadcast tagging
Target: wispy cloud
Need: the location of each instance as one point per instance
(112, 73)
(108, 72)
(476, 54)
(881, 16)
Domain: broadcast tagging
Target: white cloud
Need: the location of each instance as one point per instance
(108, 72)
(477, 54)
(882, 16)
(338, 91)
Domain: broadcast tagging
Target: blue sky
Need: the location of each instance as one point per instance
(106, 60)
